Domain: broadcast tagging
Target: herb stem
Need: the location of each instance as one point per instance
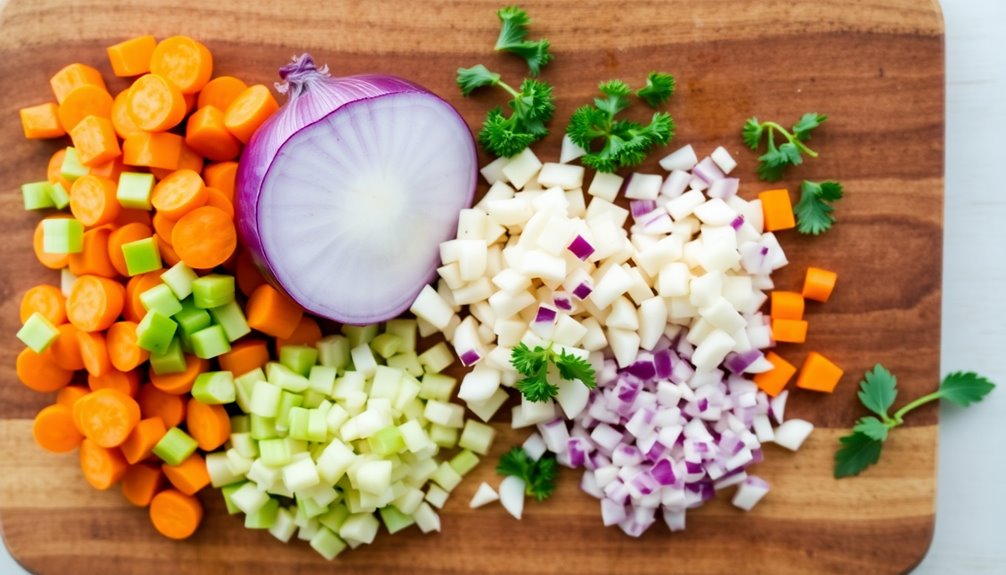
(900, 414)
(789, 136)
(508, 88)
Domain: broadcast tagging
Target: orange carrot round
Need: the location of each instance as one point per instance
(217, 199)
(133, 309)
(93, 201)
(122, 122)
(140, 443)
(204, 238)
(167, 407)
(69, 395)
(180, 383)
(85, 100)
(94, 352)
(188, 476)
(179, 193)
(124, 235)
(163, 226)
(187, 63)
(102, 467)
(168, 254)
(123, 351)
(221, 176)
(175, 515)
(93, 258)
(155, 104)
(65, 348)
(273, 313)
(38, 371)
(307, 333)
(94, 303)
(247, 112)
(46, 300)
(127, 382)
(54, 429)
(141, 483)
(51, 261)
(206, 134)
(245, 356)
(108, 416)
(133, 216)
(209, 425)
(55, 167)
(247, 274)
(220, 92)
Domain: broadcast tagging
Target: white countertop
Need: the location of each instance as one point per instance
(970, 535)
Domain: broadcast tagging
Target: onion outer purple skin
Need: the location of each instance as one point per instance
(318, 99)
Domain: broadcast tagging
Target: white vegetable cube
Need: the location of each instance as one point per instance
(562, 175)
(540, 264)
(472, 259)
(521, 168)
(532, 412)
(371, 476)
(483, 495)
(493, 171)
(706, 288)
(622, 315)
(510, 280)
(479, 384)
(792, 433)
(470, 293)
(510, 211)
(624, 345)
(552, 200)
(594, 339)
(486, 409)
(713, 349)
(643, 186)
(610, 286)
(414, 436)
(436, 496)
(576, 203)
(723, 315)
(557, 235)
(512, 495)
(683, 205)
(568, 331)
(654, 257)
(605, 186)
(674, 280)
(444, 413)
(750, 492)
(300, 474)
(360, 528)
(477, 437)
(674, 185)
(715, 212)
(652, 321)
(426, 518)
(683, 158)
(249, 498)
(472, 224)
(570, 150)
(723, 160)
(572, 397)
(446, 476)
(431, 307)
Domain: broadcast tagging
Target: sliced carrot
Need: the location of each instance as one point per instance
(141, 483)
(95, 140)
(93, 258)
(163, 226)
(108, 416)
(188, 64)
(789, 330)
(273, 313)
(133, 309)
(73, 76)
(110, 170)
(205, 237)
(206, 134)
(818, 284)
(66, 349)
(41, 121)
(102, 467)
(121, 120)
(168, 254)
(77, 409)
(94, 303)
(118, 238)
(179, 193)
(127, 382)
(93, 201)
(94, 352)
(167, 407)
(152, 149)
(308, 332)
(123, 351)
(140, 443)
(188, 476)
(787, 305)
(188, 159)
(773, 381)
(209, 425)
(818, 373)
(245, 356)
(54, 429)
(69, 395)
(38, 371)
(54, 170)
(190, 102)
(221, 176)
(180, 383)
(83, 101)
(51, 261)
(777, 210)
(218, 199)
(175, 515)
(155, 104)
(47, 300)
(248, 111)
(247, 274)
(131, 57)
(220, 92)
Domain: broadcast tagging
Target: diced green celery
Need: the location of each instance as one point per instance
(243, 442)
(284, 527)
(408, 390)
(426, 518)
(243, 386)
(414, 409)
(162, 299)
(437, 387)
(238, 463)
(134, 191)
(62, 236)
(405, 329)
(436, 496)
(179, 278)
(264, 476)
(287, 401)
(327, 543)
(263, 427)
(337, 415)
(37, 333)
(413, 435)
(437, 358)
(477, 436)
(71, 168)
(317, 426)
(360, 527)
(175, 447)
(213, 290)
(360, 334)
(249, 498)
(387, 441)
(446, 476)
(228, 491)
(192, 319)
(210, 342)
(299, 423)
(423, 470)
(409, 500)
(386, 382)
(355, 402)
(394, 520)
(240, 424)
(143, 256)
(264, 517)
(231, 319)
(363, 359)
(37, 195)
(333, 351)
(408, 362)
(464, 461)
(274, 452)
(286, 378)
(350, 382)
(443, 436)
(386, 344)
(334, 517)
(299, 358)
(59, 195)
(301, 474)
(313, 399)
(309, 508)
(171, 361)
(322, 493)
(322, 379)
(219, 469)
(214, 388)
(265, 399)
(373, 476)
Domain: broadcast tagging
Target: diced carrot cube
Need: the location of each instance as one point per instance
(42, 121)
(789, 330)
(818, 373)
(95, 140)
(787, 305)
(819, 284)
(777, 210)
(773, 381)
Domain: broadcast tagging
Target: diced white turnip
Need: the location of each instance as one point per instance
(522, 168)
(605, 186)
(652, 320)
(624, 345)
(562, 175)
(512, 495)
(725, 188)
(570, 150)
(792, 433)
(610, 286)
(471, 259)
(493, 171)
(643, 186)
(683, 158)
(485, 410)
(622, 315)
(683, 205)
(479, 384)
(483, 495)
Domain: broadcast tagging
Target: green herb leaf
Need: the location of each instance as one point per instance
(807, 124)
(965, 387)
(878, 391)
(814, 210)
(531, 109)
(533, 365)
(751, 133)
(572, 368)
(513, 39)
(478, 76)
(515, 462)
(658, 89)
(858, 452)
(871, 427)
(538, 476)
(772, 164)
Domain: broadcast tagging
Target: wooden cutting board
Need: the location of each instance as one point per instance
(875, 66)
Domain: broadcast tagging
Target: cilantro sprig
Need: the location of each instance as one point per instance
(538, 476)
(533, 364)
(773, 162)
(814, 210)
(626, 143)
(513, 39)
(877, 392)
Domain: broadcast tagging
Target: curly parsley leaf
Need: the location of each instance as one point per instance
(478, 76)
(776, 158)
(533, 365)
(878, 390)
(531, 108)
(814, 210)
(658, 89)
(573, 368)
(513, 39)
(858, 452)
(964, 388)
(538, 476)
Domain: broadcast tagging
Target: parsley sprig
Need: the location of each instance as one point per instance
(814, 210)
(538, 476)
(533, 365)
(775, 159)
(877, 392)
(626, 143)
(513, 39)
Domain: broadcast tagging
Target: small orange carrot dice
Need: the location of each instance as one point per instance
(132, 57)
(787, 305)
(152, 149)
(818, 373)
(42, 121)
(773, 381)
(95, 140)
(789, 330)
(819, 284)
(777, 210)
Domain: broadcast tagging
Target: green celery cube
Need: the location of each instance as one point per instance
(62, 236)
(214, 388)
(171, 361)
(322, 379)
(287, 401)
(299, 423)
(387, 441)
(317, 426)
(37, 333)
(155, 332)
(327, 543)
(359, 334)
(394, 519)
(464, 461)
(299, 358)
(275, 452)
(446, 437)
(162, 299)
(263, 427)
(175, 447)
(264, 517)
(265, 399)
(239, 424)
(386, 345)
(310, 508)
(142, 256)
(313, 399)
(231, 319)
(283, 376)
(333, 351)
(227, 491)
(179, 278)
(192, 319)
(134, 190)
(334, 517)
(71, 168)
(213, 290)
(405, 329)
(37, 195)
(59, 195)
(210, 342)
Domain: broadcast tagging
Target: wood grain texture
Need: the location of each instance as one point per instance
(875, 66)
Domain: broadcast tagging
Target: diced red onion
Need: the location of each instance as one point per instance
(641, 207)
(470, 357)
(546, 315)
(708, 171)
(737, 362)
(612, 512)
(723, 188)
(581, 248)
